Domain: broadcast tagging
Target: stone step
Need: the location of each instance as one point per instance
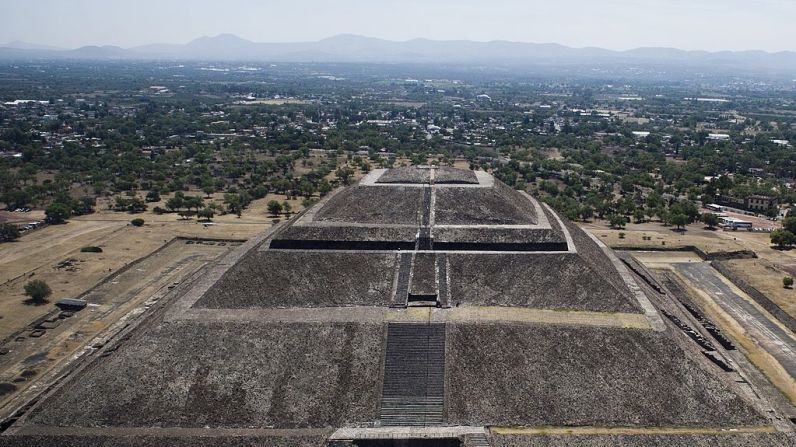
(414, 375)
(402, 289)
(476, 440)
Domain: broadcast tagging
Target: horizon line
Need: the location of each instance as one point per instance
(9, 44)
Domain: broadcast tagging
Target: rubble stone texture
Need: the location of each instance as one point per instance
(243, 378)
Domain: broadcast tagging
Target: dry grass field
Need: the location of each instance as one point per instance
(764, 273)
(136, 263)
(53, 252)
(766, 276)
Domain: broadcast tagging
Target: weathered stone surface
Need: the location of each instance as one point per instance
(155, 440)
(546, 281)
(232, 375)
(595, 257)
(684, 440)
(374, 205)
(424, 274)
(218, 373)
(416, 175)
(498, 235)
(537, 375)
(348, 233)
(448, 175)
(293, 278)
(499, 205)
(409, 174)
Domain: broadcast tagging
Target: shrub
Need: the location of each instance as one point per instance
(137, 222)
(787, 282)
(91, 249)
(57, 213)
(783, 238)
(710, 219)
(38, 290)
(617, 221)
(679, 220)
(206, 214)
(274, 207)
(8, 232)
(152, 196)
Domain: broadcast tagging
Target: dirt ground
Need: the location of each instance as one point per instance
(20, 218)
(761, 358)
(662, 259)
(53, 252)
(664, 238)
(28, 359)
(766, 277)
(764, 273)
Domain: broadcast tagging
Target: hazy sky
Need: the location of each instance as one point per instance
(616, 24)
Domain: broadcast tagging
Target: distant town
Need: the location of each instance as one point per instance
(375, 255)
(75, 132)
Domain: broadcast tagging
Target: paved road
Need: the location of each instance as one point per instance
(777, 341)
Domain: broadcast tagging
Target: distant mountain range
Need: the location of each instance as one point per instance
(352, 48)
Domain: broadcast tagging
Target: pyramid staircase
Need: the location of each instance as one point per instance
(414, 375)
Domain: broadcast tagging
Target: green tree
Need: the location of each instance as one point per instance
(789, 223)
(175, 203)
(84, 206)
(686, 207)
(307, 188)
(663, 214)
(638, 215)
(194, 202)
(324, 187)
(787, 282)
(8, 232)
(679, 220)
(783, 238)
(344, 174)
(234, 204)
(617, 221)
(57, 213)
(586, 212)
(152, 196)
(710, 219)
(121, 203)
(137, 222)
(286, 207)
(274, 207)
(38, 291)
(136, 205)
(206, 214)
(18, 198)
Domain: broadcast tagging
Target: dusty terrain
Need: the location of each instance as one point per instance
(764, 273)
(664, 238)
(28, 357)
(766, 276)
(53, 253)
(754, 335)
(136, 263)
